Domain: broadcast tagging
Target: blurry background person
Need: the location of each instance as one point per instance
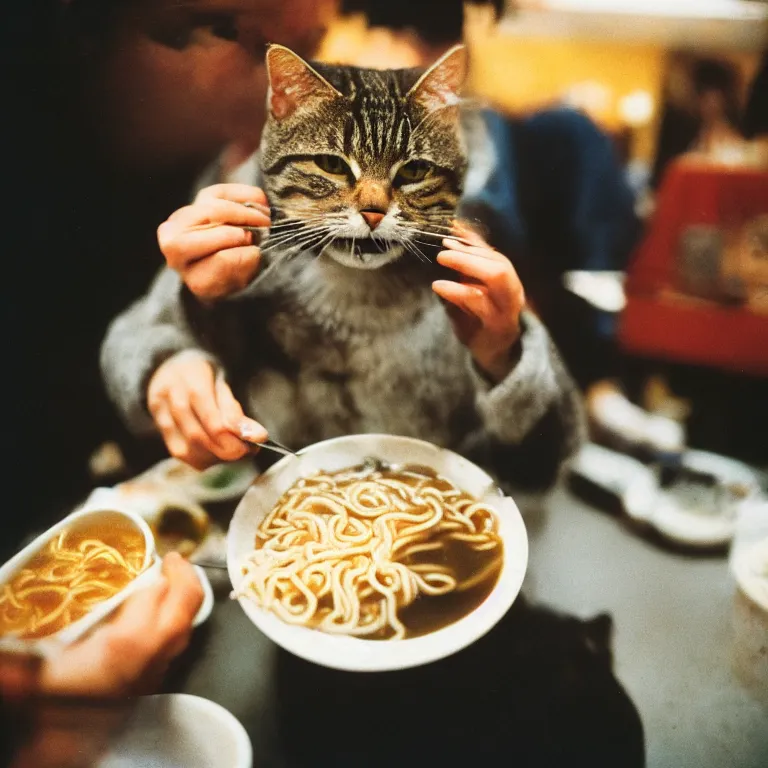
(755, 120)
(116, 107)
(701, 111)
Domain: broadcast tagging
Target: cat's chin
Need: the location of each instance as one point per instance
(368, 261)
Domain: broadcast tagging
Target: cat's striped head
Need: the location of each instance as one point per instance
(366, 165)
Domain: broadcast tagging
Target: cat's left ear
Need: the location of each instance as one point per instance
(293, 83)
(440, 86)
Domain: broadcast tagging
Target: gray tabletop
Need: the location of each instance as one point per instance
(673, 642)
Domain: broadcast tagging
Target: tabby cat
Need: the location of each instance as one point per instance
(341, 333)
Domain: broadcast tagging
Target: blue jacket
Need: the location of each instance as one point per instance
(557, 198)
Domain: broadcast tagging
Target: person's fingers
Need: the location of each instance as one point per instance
(477, 267)
(139, 612)
(174, 440)
(464, 230)
(239, 193)
(206, 409)
(182, 602)
(470, 298)
(113, 659)
(499, 276)
(189, 442)
(482, 250)
(235, 418)
(184, 246)
(223, 272)
(213, 212)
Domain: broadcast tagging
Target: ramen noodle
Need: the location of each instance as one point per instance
(82, 566)
(374, 553)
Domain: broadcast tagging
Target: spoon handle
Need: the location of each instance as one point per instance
(272, 445)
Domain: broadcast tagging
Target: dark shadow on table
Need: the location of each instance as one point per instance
(538, 690)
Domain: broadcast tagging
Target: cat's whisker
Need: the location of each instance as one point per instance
(413, 243)
(285, 225)
(294, 240)
(293, 222)
(330, 238)
(440, 236)
(285, 235)
(412, 249)
(319, 239)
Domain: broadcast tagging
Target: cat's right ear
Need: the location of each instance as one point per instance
(293, 83)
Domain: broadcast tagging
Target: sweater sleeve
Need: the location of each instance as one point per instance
(532, 420)
(148, 333)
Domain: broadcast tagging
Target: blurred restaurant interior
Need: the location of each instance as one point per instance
(628, 187)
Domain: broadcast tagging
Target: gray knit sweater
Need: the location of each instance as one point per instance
(314, 351)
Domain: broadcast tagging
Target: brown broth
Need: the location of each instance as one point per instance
(429, 613)
(32, 605)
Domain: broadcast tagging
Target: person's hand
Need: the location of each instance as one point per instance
(198, 416)
(206, 244)
(484, 307)
(130, 653)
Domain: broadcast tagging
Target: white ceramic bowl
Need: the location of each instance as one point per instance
(358, 654)
(177, 729)
(77, 629)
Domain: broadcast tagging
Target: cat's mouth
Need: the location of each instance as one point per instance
(361, 246)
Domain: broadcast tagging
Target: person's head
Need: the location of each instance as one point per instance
(437, 24)
(716, 87)
(173, 81)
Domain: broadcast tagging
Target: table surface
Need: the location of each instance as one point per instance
(673, 643)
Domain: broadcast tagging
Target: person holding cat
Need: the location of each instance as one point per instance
(368, 308)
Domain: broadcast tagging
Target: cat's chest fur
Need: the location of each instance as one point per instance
(368, 352)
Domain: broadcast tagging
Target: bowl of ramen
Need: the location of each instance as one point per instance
(375, 552)
(74, 575)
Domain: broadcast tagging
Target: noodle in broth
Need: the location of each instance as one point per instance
(76, 570)
(359, 552)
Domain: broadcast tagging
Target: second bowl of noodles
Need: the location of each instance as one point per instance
(72, 576)
(376, 552)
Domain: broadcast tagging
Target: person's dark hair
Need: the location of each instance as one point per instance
(720, 76)
(756, 111)
(714, 75)
(437, 22)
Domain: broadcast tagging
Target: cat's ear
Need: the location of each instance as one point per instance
(441, 84)
(293, 83)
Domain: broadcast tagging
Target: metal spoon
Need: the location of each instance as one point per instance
(272, 445)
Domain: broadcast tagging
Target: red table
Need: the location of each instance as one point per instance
(661, 319)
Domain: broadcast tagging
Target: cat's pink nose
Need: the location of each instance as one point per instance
(373, 218)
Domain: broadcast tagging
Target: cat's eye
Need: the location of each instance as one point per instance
(332, 164)
(415, 170)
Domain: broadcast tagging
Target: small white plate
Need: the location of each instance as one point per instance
(200, 486)
(694, 530)
(751, 570)
(178, 730)
(686, 527)
(725, 469)
(206, 607)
